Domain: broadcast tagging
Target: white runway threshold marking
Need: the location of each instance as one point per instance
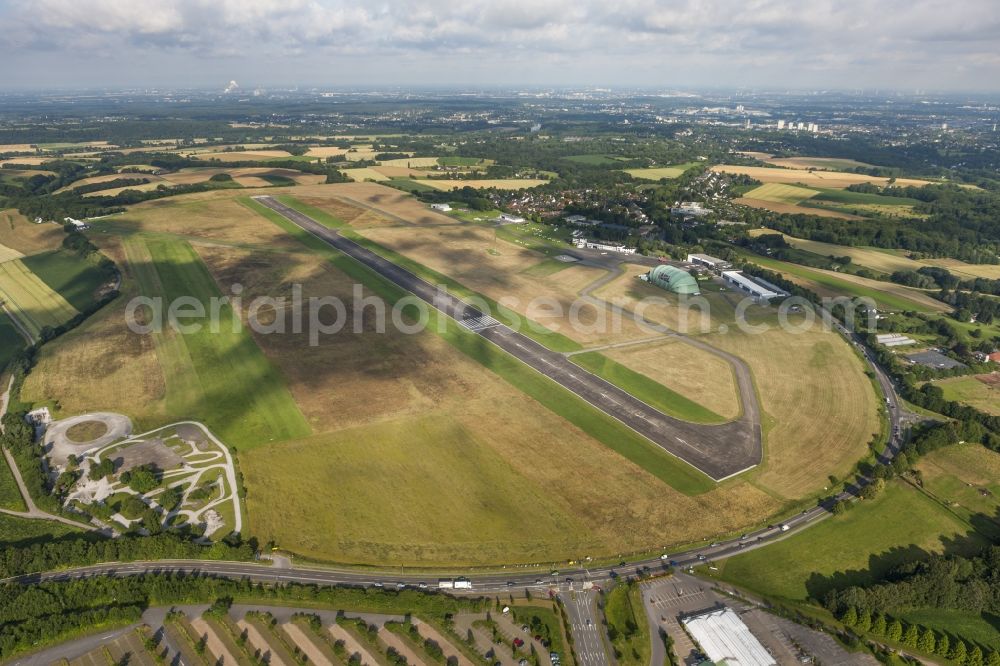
(479, 323)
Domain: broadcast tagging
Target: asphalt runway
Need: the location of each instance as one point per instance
(719, 451)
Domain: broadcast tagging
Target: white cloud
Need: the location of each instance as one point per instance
(908, 37)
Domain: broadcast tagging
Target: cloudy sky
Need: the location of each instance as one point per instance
(820, 44)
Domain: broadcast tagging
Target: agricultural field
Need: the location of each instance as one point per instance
(811, 178)
(829, 163)
(8, 253)
(365, 173)
(34, 303)
(793, 209)
(981, 391)
(500, 184)
(781, 193)
(657, 173)
(850, 548)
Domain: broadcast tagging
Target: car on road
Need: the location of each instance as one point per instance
(702, 557)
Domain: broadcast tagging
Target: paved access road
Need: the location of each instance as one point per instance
(719, 451)
(588, 631)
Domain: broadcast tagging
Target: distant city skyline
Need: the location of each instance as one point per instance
(906, 45)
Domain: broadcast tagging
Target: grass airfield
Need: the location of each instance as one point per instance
(373, 448)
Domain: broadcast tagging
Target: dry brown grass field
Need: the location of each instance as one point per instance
(395, 207)
(32, 161)
(365, 173)
(102, 365)
(694, 373)
(26, 237)
(242, 155)
(325, 151)
(144, 187)
(411, 162)
(832, 179)
(821, 410)
(16, 147)
(108, 177)
(991, 271)
(206, 216)
(831, 163)
(464, 254)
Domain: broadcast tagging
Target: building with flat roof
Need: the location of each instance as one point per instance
(725, 639)
(673, 279)
(761, 291)
(443, 207)
(714, 263)
(584, 243)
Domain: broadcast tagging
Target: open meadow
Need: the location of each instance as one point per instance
(980, 391)
(18, 234)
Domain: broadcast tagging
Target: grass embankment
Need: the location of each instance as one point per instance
(10, 496)
(597, 424)
(652, 393)
(853, 548)
(627, 626)
(28, 530)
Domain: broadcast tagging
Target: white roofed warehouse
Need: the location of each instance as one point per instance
(725, 639)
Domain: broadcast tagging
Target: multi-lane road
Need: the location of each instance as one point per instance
(719, 451)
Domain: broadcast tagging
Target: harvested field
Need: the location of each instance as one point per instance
(989, 271)
(411, 162)
(30, 161)
(244, 155)
(780, 193)
(366, 173)
(105, 178)
(511, 184)
(830, 163)
(793, 209)
(694, 373)
(820, 408)
(16, 147)
(8, 253)
(325, 151)
(656, 173)
(400, 172)
(807, 178)
(144, 187)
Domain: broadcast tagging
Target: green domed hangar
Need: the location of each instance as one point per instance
(673, 279)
